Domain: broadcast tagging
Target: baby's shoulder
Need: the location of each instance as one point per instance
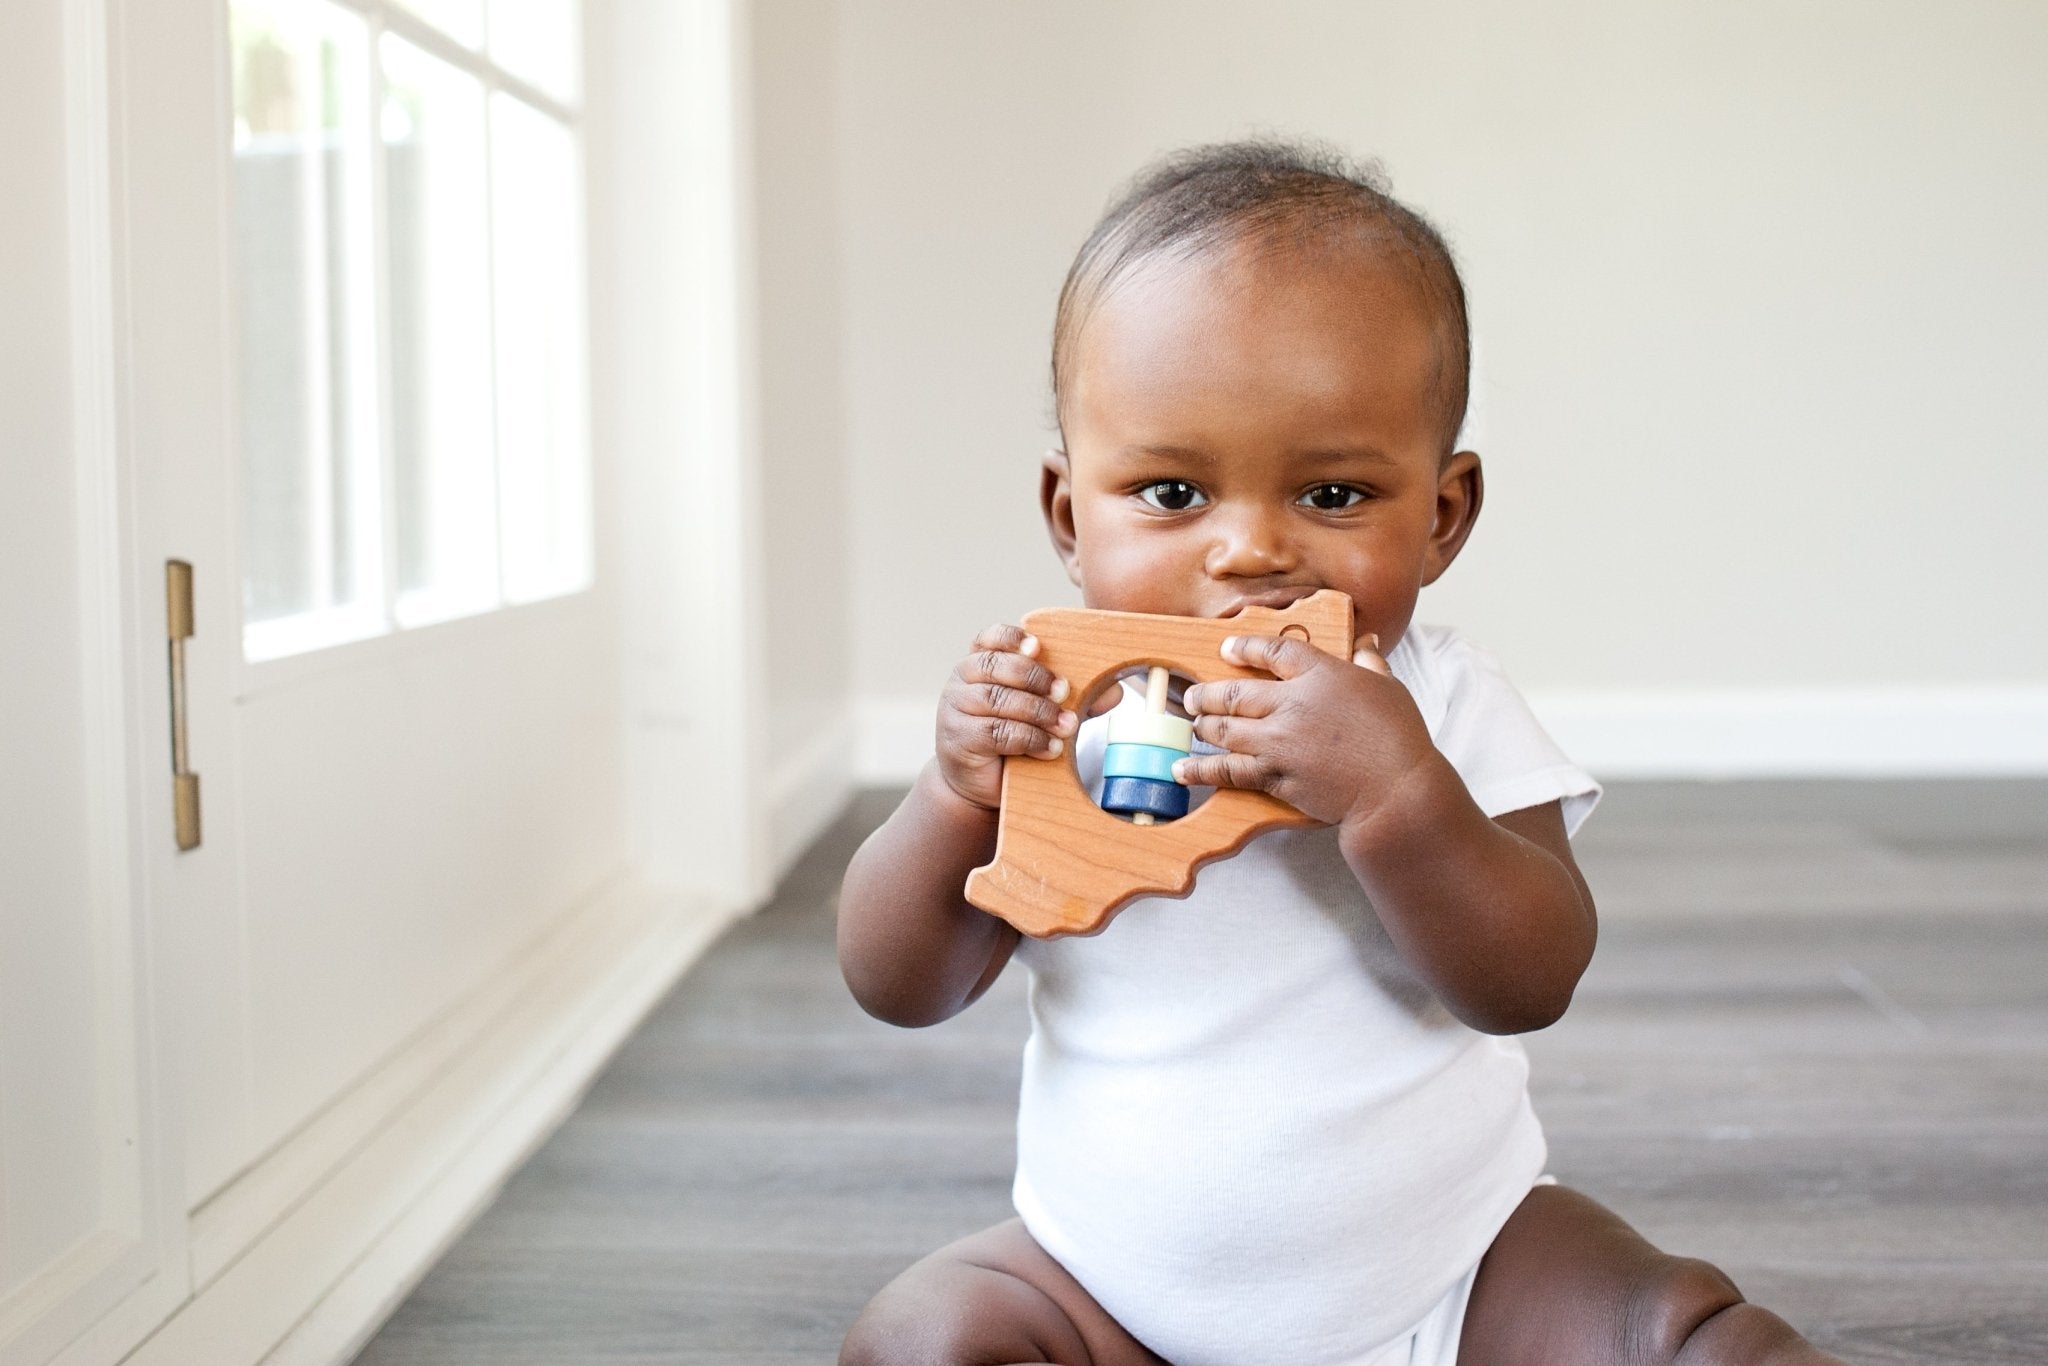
(1438, 664)
(1440, 646)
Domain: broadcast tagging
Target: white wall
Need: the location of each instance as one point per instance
(806, 534)
(1759, 290)
(50, 1186)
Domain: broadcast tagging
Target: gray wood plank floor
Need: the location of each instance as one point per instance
(1813, 1048)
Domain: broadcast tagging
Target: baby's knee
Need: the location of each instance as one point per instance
(959, 1314)
(895, 1330)
(901, 1327)
(1670, 1302)
(1685, 1312)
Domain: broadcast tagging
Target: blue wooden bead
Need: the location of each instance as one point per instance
(1141, 761)
(1127, 796)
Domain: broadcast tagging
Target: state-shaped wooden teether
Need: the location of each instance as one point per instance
(1062, 864)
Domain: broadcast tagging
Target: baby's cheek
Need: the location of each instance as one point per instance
(1382, 608)
(1119, 578)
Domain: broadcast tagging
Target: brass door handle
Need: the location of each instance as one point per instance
(184, 782)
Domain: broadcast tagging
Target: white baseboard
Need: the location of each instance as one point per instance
(303, 1257)
(808, 789)
(1957, 731)
(1934, 732)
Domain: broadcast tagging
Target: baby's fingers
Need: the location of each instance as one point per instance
(1003, 656)
(1282, 656)
(1232, 697)
(1001, 735)
(992, 718)
(1366, 654)
(1225, 770)
(1003, 636)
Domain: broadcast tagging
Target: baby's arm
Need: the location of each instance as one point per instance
(912, 950)
(1493, 914)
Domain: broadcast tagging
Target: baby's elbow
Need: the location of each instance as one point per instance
(902, 1014)
(893, 1002)
(1523, 1014)
(1537, 997)
(1531, 1018)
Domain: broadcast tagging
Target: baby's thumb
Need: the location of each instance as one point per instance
(1368, 656)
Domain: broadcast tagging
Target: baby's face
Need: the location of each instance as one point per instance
(1250, 426)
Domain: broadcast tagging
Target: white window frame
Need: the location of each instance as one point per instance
(285, 648)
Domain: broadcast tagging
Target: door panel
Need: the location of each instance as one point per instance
(409, 823)
(385, 823)
(386, 820)
(86, 1215)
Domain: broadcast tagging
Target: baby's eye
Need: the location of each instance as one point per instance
(1333, 497)
(1172, 495)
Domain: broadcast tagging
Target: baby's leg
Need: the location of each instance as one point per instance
(991, 1299)
(1568, 1280)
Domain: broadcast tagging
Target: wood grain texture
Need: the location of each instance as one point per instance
(1867, 1155)
(1062, 864)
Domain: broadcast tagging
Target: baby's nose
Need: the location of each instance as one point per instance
(1248, 546)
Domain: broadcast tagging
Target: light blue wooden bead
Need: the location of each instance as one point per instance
(1141, 761)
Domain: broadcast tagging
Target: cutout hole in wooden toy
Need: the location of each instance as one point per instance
(1294, 632)
(1136, 676)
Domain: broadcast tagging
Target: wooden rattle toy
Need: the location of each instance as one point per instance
(1064, 865)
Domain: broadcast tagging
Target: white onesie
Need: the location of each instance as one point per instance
(1247, 1128)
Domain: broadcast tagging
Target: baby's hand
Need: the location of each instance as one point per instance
(1000, 701)
(1331, 739)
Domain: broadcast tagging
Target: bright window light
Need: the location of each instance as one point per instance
(543, 452)
(437, 231)
(310, 489)
(410, 289)
(537, 41)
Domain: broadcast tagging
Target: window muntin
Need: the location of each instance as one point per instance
(408, 235)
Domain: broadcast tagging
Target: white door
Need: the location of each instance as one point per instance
(90, 1218)
(291, 295)
(352, 245)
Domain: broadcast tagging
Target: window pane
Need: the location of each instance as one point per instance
(306, 313)
(445, 489)
(543, 446)
(539, 41)
(462, 20)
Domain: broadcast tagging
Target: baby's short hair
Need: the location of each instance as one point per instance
(1276, 190)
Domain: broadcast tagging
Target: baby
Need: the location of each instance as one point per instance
(1283, 1121)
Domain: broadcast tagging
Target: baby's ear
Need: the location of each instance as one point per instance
(1460, 489)
(1056, 501)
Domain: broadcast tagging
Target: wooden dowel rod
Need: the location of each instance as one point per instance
(1155, 689)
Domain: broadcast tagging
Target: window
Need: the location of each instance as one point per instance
(408, 235)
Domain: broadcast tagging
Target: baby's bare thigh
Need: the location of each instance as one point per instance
(991, 1299)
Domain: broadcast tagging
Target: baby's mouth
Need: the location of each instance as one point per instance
(1276, 598)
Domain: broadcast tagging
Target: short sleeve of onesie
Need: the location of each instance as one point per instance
(1484, 727)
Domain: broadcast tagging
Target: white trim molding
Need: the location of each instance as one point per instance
(306, 1254)
(1955, 731)
(1952, 731)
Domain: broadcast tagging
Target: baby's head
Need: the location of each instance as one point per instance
(1259, 368)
